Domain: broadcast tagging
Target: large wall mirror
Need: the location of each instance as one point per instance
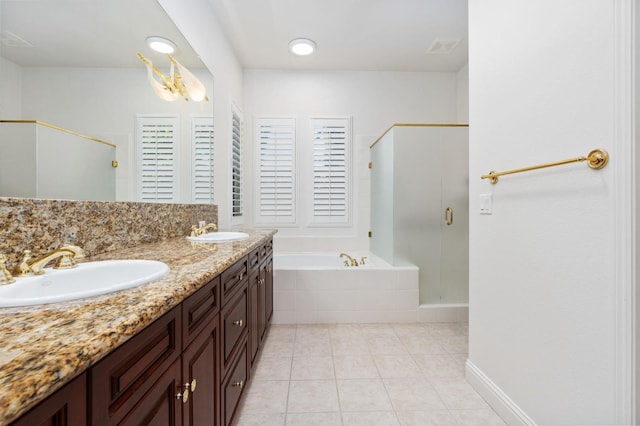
(74, 64)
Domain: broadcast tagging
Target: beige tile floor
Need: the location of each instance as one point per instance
(364, 374)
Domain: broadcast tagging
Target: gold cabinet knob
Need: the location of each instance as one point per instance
(239, 323)
(184, 396)
(238, 384)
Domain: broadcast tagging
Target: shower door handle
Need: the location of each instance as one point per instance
(448, 216)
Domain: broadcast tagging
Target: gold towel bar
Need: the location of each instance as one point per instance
(596, 159)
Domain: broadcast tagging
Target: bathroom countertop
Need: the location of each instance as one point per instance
(46, 346)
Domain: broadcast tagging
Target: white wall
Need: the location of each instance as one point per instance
(462, 94)
(10, 87)
(198, 24)
(374, 100)
(544, 287)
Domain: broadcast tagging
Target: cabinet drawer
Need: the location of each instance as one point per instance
(120, 380)
(254, 260)
(234, 325)
(234, 385)
(199, 309)
(233, 278)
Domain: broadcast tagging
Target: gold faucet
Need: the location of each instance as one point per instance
(352, 261)
(205, 229)
(66, 256)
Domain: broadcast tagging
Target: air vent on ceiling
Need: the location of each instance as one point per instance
(443, 46)
(7, 38)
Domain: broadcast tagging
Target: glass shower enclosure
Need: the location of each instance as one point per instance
(420, 206)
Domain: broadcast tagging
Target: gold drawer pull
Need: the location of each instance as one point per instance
(238, 323)
(241, 276)
(239, 384)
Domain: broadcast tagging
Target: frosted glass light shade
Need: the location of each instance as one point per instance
(302, 46)
(161, 44)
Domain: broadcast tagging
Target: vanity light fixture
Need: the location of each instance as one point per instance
(180, 83)
(302, 46)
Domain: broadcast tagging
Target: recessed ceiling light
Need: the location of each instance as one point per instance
(302, 46)
(161, 44)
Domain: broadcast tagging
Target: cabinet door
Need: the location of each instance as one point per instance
(160, 406)
(268, 284)
(254, 314)
(262, 295)
(201, 373)
(66, 407)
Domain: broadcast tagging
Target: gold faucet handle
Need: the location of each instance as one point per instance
(212, 226)
(194, 231)
(23, 269)
(5, 275)
(362, 260)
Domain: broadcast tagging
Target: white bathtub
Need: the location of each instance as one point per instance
(318, 288)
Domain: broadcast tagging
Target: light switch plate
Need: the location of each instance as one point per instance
(485, 204)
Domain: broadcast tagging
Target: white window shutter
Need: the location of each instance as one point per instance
(203, 156)
(157, 142)
(236, 165)
(276, 200)
(331, 170)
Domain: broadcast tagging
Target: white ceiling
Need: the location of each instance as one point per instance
(87, 33)
(392, 35)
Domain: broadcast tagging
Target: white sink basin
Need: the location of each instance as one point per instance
(219, 237)
(87, 279)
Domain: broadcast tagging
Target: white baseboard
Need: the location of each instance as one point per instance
(496, 398)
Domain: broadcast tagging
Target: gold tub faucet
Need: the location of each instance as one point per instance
(65, 255)
(352, 261)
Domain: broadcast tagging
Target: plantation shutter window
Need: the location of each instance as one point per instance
(236, 165)
(157, 140)
(276, 171)
(331, 169)
(203, 156)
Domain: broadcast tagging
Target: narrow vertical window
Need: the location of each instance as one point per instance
(236, 165)
(276, 171)
(203, 156)
(156, 141)
(331, 168)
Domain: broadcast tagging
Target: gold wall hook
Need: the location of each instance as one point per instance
(596, 159)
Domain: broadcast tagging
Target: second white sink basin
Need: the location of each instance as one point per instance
(86, 280)
(219, 237)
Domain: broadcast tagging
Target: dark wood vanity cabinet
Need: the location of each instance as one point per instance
(189, 367)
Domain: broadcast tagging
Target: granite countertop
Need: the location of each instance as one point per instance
(46, 346)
